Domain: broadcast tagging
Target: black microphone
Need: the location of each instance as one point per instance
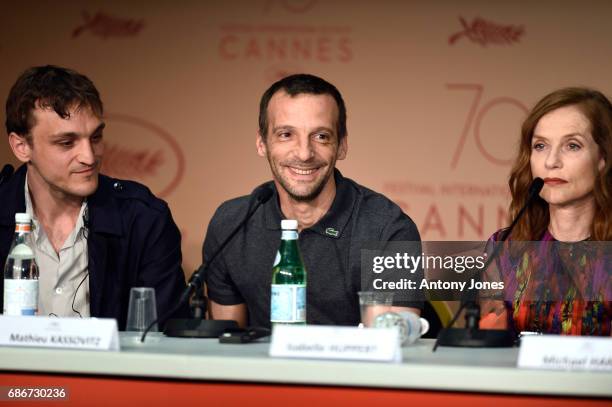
(187, 328)
(259, 196)
(534, 190)
(472, 336)
(6, 173)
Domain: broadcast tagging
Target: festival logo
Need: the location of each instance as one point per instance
(493, 125)
(138, 150)
(467, 209)
(281, 43)
(104, 25)
(451, 209)
(484, 32)
(283, 46)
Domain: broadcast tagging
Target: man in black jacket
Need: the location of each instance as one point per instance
(94, 237)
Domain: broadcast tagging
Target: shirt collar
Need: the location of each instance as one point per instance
(80, 223)
(333, 223)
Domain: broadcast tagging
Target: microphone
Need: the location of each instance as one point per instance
(534, 190)
(209, 328)
(6, 173)
(259, 196)
(472, 336)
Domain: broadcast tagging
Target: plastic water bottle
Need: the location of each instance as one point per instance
(21, 271)
(288, 300)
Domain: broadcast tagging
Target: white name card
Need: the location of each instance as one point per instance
(333, 342)
(53, 332)
(566, 352)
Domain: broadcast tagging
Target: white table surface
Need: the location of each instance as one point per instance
(448, 369)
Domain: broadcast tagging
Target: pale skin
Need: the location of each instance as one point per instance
(567, 158)
(565, 155)
(302, 148)
(63, 158)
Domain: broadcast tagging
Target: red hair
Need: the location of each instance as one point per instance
(597, 108)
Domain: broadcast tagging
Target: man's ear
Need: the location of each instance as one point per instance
(343, 148)
(21, 147)
(260, 143)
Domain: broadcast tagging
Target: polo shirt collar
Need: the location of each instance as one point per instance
(332, 223)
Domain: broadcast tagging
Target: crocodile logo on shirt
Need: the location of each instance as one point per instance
(331, 232)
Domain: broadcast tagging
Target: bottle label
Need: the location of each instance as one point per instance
(23, 227)
(288, 303)
(289, 235)
(20, 297)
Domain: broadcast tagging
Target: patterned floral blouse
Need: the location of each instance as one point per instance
(555, 287)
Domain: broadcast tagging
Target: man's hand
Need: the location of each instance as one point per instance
(236, 312)
(409, 309)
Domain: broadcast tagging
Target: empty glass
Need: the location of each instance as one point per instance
(142, 309)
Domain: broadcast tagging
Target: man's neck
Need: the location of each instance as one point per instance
(51, 206)
(307, 213)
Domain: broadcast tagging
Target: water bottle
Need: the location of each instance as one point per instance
(21, 271)
(288, 299)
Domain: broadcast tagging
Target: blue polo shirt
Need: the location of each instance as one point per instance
(242, 273)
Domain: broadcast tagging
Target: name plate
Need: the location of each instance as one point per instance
(53, 332)
(566, 352)
(333, 342)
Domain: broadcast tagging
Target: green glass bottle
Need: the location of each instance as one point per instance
(288, 299)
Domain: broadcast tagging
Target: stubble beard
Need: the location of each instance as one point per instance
(295, 195)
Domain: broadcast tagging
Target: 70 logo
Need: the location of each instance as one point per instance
(474, 119)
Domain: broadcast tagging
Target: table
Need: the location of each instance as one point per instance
(175, 371)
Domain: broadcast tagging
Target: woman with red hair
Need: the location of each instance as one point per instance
(567, 141)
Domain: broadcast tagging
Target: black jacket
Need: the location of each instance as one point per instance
(132, 241)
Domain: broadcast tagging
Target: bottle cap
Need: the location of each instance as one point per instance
(23, 218)
(289, 224)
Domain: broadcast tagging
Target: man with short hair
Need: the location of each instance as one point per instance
(94, 237)
(302, 133)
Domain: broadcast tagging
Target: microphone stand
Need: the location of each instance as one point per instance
(198, 327)
(472, 336)
(198, 305)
